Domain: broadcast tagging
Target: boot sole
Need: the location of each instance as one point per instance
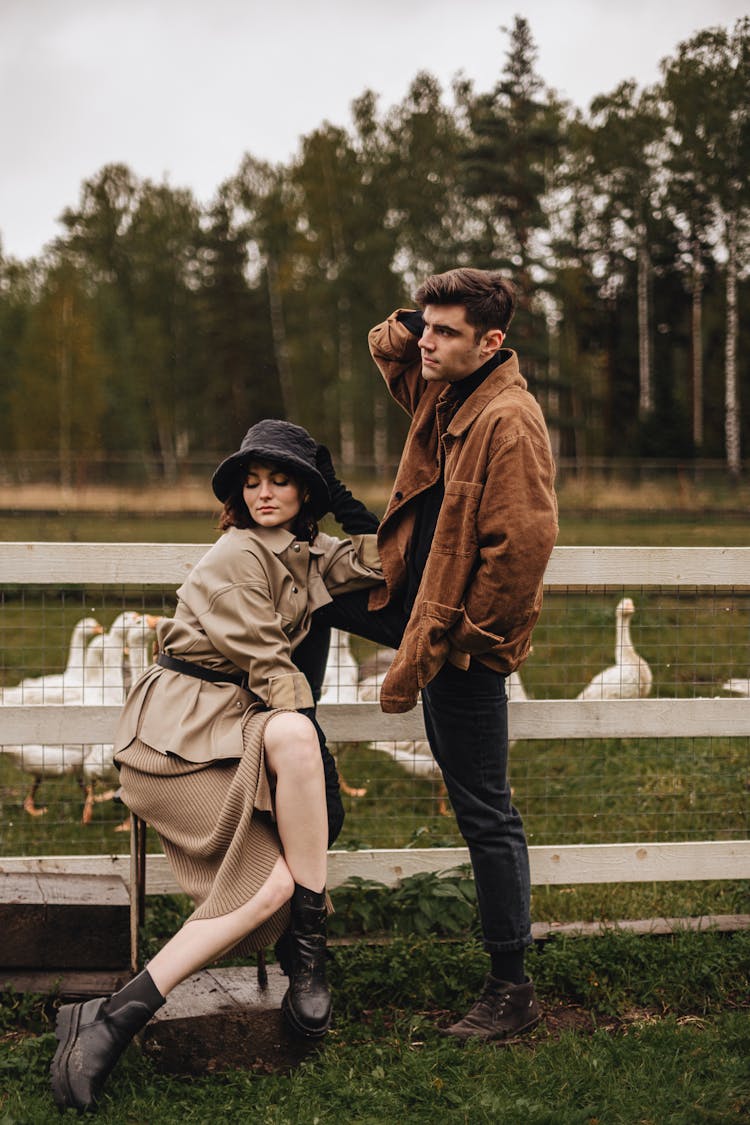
(299, 1028)
(66, 1030)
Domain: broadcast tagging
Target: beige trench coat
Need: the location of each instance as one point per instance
(245, 607)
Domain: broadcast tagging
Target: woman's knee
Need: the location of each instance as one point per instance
(291, 742)
(280, 885)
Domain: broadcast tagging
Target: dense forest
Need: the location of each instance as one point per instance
(153, 330)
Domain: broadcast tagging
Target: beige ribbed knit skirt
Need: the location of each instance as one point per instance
(215, 823)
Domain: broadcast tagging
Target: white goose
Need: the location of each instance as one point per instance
(104, 687)
(737, 685)
(104, 680)
(52, 688)
(630, 676)
(98, 764)
(342, 671)
(412, 755)
(340, 686)
(416, 756)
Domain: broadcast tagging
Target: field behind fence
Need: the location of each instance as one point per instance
(610, 789)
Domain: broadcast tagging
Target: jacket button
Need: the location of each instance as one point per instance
(398, 495)
(295, 547)
(295, 590)
(238, 703)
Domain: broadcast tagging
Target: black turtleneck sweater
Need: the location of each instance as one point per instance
(428, 503)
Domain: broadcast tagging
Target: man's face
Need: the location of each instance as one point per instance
(450, 350)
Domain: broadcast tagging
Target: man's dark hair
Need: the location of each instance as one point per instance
(488, 298)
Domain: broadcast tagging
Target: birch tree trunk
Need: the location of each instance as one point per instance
(731, 398)
(696, 334)
(65, 406)
(346, 408)
(380, 432)
(645, 381)
(280, 345)
(553, 397)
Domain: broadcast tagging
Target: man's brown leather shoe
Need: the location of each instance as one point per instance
(503, 1011)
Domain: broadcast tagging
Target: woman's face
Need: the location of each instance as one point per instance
(273, 497)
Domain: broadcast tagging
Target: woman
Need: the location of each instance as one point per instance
(217, 750)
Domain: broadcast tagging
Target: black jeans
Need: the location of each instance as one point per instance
(466, 720)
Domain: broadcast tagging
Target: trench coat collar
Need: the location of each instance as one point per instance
(278, 540)
(506, 374)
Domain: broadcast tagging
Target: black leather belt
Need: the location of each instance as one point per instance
(212, 675)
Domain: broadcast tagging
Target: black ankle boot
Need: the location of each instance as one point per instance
(307, 1002)
(92, 1036)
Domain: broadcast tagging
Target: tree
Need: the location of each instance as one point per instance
(513, 135)
(266, 211)
(162, 247)
(19, 290)
(511, 149)
(708, 84)
(428, 211)
(624, 134)
(234, 330)
(58, 402)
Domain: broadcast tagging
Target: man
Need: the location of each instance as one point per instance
(464, 543)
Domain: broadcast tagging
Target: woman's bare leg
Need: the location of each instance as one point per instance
(293, 761)
(203, 940)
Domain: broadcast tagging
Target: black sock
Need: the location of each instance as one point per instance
(508, 966)
(140, 989)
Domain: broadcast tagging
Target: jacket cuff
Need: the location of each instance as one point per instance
(366, 547)
(290, 692)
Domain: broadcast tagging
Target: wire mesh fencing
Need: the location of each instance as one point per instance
(86, 645)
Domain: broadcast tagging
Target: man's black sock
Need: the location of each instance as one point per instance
(508, 966)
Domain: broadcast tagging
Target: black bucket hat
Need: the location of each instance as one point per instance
(285, 444)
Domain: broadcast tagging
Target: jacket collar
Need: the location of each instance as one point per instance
(506, 374)
(278, 540)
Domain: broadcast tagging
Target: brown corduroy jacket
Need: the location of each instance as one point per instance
(481, 591)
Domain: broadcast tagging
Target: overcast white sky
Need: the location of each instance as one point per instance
(181, 89)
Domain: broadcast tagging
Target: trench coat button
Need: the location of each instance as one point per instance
(295, 590)
(398, 495)
(238, 703)
(295, 547)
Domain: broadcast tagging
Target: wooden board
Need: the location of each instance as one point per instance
(68, 984)
(64, 922)
(568, 864)
(168, 564)
(220, 1019)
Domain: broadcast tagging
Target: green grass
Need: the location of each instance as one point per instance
(569, 791)
(636, 1030)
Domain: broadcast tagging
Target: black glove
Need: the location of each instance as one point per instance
(351, 513)
(333, 795)
(414, 321)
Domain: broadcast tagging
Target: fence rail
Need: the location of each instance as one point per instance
(147, 565)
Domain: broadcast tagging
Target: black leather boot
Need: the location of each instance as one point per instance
(307, 1001)
(91, 1037)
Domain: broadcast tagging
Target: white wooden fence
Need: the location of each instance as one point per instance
(147, 565)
